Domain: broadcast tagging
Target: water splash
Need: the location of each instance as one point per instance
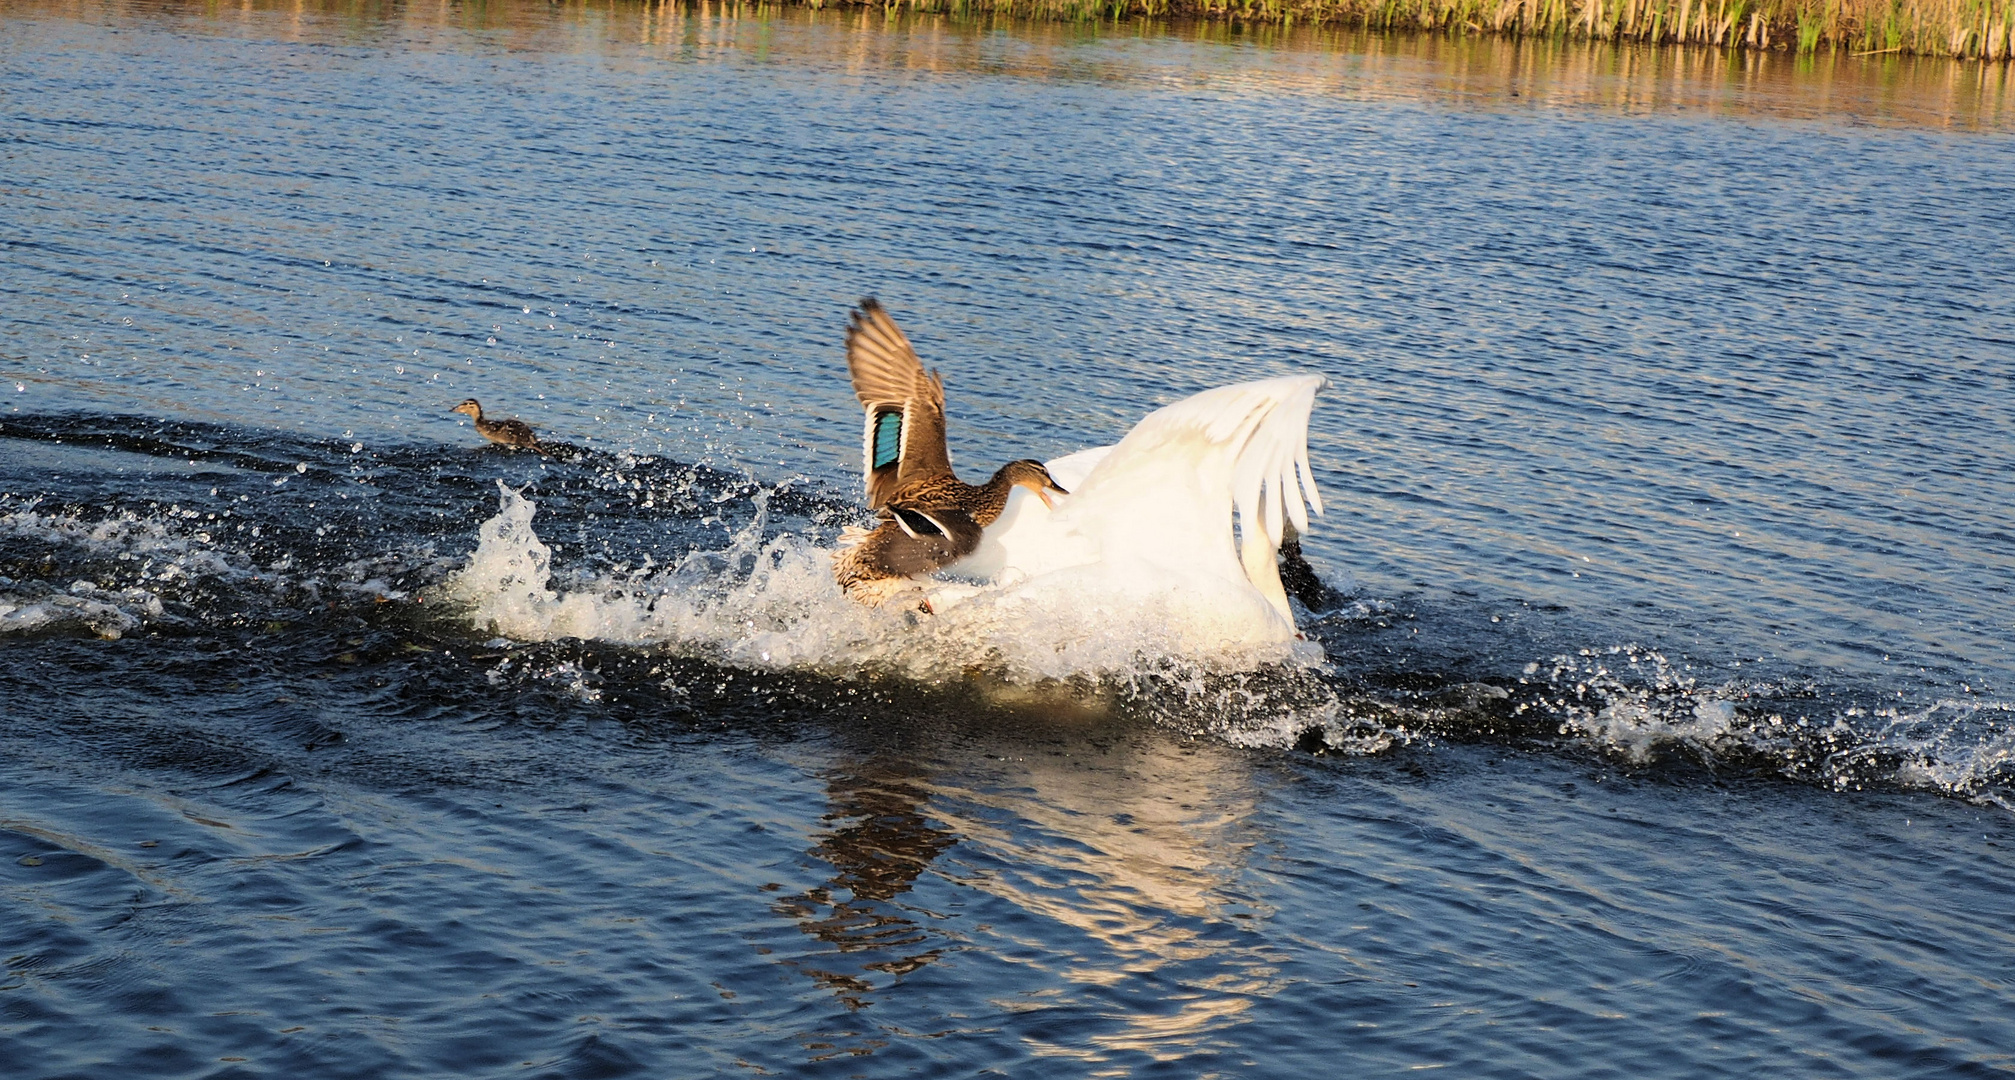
(1641, 706)
(768, 602)
(138, 559)
(127, 570)
(763, 600)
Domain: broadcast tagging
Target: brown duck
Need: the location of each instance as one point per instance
(511, 432)
(929, 517)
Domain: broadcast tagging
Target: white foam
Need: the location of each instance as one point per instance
(49, 613)
(771, 603)
(1636, 702)
(155, 549)
(140, 558)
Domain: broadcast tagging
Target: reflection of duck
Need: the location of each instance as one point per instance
(509, 432)
(929, 516)
(1185, 517)
(881, 841)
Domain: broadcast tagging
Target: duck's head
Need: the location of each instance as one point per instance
(469, 407)
(1035, 477)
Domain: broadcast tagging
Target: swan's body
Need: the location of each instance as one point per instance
(1151, 519)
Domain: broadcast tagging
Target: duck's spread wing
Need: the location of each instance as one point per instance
(905, 434)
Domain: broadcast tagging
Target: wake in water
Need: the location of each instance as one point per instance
(766, 602)
(677, 577)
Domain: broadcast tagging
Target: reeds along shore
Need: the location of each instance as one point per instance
(1969, 29)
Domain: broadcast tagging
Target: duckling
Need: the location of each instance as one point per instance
(512, 433)
(929, 517)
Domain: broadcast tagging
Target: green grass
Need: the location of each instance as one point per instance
(1973, 29)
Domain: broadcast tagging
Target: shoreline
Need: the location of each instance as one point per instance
(1981, 31)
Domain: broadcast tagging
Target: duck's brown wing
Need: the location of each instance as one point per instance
(951, 534)
(518, 433)
(912, 543)
(905, 436)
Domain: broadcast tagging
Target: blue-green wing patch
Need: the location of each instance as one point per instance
(888, 440)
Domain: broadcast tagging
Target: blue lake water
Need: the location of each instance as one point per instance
(1661, 725)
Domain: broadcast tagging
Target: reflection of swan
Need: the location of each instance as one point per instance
(1150, 521)
(1126, 860)
(1134, 853)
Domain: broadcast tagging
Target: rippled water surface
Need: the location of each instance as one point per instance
(1655, 719)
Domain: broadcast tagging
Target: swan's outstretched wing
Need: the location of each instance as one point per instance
(905, 436)
(1167, 495)
(1249, 446)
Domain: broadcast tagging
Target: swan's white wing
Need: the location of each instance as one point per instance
(1160, 505)
(1167, 492)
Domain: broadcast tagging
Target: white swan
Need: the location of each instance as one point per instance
(1181, 520)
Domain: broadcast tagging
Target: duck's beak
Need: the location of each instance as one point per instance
(1044, 494)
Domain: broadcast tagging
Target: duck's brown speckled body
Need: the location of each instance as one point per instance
(509, 432)
(929, 516)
